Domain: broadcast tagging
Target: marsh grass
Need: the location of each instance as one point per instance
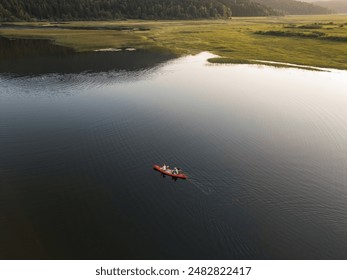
(234, 39)
(314, 35)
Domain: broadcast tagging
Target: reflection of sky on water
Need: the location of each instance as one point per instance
(265, 149)
(271, 105)
(289, 113)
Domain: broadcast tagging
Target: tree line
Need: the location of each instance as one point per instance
(54, 10)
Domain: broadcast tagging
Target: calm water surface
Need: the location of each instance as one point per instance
(265, 150)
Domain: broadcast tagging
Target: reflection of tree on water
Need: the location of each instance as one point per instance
(37, 57)
(22, 48)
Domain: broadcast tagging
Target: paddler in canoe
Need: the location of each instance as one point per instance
(165, 167)
(175, 172)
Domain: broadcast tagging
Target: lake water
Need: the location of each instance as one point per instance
(265, 150)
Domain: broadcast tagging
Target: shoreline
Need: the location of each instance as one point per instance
(233, 40)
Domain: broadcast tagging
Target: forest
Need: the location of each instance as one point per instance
(14, 10)
(60, 10)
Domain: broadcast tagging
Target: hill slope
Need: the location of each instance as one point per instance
(336, 6)
(291, 7)
(128, 9)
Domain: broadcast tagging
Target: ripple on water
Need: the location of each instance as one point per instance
(266, 161)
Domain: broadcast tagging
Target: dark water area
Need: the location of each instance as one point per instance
(265, 150)
(60, 25)
(13, 49)
(24, 57)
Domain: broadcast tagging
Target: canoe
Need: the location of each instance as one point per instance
(168, 172)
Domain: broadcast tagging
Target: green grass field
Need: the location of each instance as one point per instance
(305, 40)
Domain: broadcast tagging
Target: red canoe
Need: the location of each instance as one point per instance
(168, 172)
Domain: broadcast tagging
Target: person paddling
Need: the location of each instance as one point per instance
(165, 167)
(175, 172)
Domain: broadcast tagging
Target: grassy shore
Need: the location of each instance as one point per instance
(304, 40)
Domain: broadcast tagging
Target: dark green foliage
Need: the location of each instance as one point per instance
(335, 38)
(291, 7)
(310, 26)
(311, 35)
(248, 8)
(290, 34)
(55, 10)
